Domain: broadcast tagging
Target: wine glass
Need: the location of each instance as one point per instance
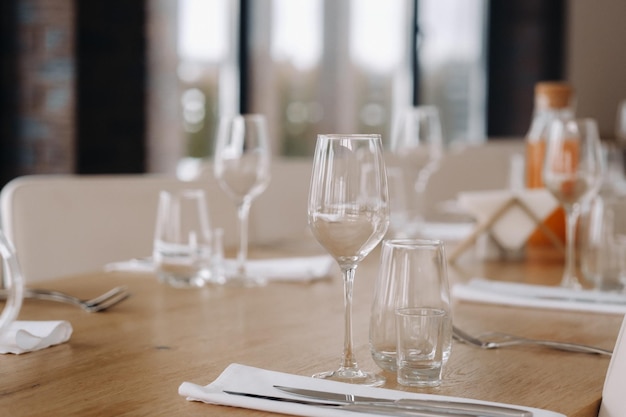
(348, 212)
(242, 167)
(416, 150)
(572, 172)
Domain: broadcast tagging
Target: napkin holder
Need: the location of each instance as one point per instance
(508, 201)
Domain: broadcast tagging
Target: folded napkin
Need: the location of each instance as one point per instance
(514, 226)
(539, 296)
(247, 379)
(28, 336)
(302, 269)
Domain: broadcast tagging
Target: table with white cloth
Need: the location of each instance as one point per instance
(131, 359)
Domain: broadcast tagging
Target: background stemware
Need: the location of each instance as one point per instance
(348, 213)
(242, 167)
(573, 169)
(416, 149)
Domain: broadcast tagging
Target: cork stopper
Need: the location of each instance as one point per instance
(553, 94)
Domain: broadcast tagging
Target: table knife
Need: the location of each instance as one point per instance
(449, 407)
(380, 408)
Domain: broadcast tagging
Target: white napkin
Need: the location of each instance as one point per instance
(302, 269)
(243, 378)
(539, 296)
(28, 336)
(514, 227)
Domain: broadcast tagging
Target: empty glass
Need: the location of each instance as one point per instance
(182, 239)
(603, 254)
(412, 274)
(416, 149)
(572, 172)
(242, 167)
(421, 337)
(11, 280)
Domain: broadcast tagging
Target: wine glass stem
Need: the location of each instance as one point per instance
(243, 212)
(570, 279)
(348, 361)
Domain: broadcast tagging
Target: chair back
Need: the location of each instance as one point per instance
(70, 224)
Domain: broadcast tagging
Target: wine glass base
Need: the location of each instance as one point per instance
(353, 376)
(571, 282)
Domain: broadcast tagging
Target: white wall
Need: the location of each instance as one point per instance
(596, 58)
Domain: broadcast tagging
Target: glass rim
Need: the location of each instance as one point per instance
(420, 311)
(413, 243)
(350, 135)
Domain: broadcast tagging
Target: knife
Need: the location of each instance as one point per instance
(431, 405)
(381, 408)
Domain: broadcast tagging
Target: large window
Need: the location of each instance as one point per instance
(318, 66)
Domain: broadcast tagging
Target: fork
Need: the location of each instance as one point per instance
(510, 340)
(96, 304)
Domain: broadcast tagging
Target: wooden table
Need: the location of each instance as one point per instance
(130, 360)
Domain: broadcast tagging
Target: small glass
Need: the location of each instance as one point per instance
(420, 333)
(182, 239)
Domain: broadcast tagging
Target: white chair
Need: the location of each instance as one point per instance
(613, 403)
(70, 224)
(478, 167)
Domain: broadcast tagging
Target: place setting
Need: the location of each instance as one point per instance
(410, 329)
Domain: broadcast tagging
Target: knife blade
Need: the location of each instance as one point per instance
(384, 408)
(450, 407)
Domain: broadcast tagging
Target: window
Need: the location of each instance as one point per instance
(316, 66)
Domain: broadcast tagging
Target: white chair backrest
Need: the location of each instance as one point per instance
(70, 224)
(478, 167)
(613, 401)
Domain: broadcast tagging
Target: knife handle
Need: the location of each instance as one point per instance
(485, 410)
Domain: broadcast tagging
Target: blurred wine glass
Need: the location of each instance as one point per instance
(348, 212)
(416, 149)
(572, 172)
(242, 168)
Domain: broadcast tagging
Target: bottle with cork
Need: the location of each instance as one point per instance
(553, 100)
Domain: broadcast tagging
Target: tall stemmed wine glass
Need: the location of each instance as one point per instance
(348, 214)
(242, 167)
(572, 172)
(416, 150)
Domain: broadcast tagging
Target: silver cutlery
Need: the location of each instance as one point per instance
(93, 305)
(500, 340)
(445, 407)
(387, 409)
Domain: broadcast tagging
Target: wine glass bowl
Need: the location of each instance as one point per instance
(573, 169)
(348, 212)
(242, 167)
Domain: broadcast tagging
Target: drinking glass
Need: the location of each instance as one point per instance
(182, 239)
(242, 167)
(348, 212)
(572, 172)
(416, 150)
(412, 274)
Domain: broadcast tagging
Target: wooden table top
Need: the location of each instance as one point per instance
(130, 360)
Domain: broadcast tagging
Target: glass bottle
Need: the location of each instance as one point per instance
(553, 100)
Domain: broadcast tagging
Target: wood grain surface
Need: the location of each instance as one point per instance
(130, 360)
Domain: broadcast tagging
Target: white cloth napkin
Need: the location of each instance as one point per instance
(243, 378)
(307, 268)
(514, 227)
(28, 336)
(539, 296)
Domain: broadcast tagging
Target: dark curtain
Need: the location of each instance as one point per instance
(526, 43)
